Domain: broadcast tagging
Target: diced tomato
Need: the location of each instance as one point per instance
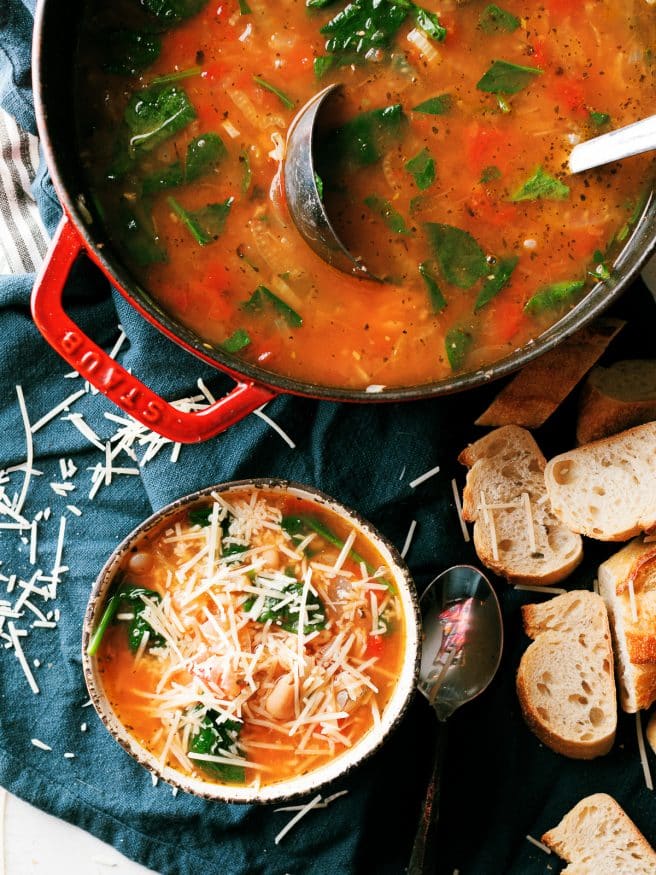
(375, 646)
(449, 22)
(539, 58)
(508, 315)
(485, 147)
(490, 210)
(584, 242)
(570, 96)
(563, 8)
(214, 71)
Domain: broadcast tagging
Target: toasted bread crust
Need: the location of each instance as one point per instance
(609, 404)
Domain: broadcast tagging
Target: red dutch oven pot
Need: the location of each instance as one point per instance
(54, 52)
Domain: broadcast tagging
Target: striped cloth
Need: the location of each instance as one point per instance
(23, 237)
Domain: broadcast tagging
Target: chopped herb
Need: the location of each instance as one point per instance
(205, 225)
(636, 211)
(461, 259)
(457, 344)
(422, 168)
(154, 114)
(599, 119)
(435, 105)
(506, 78)
(287, 102)
(429, 22)
(247, 174)
(393, 219)
(494, 19)
(497, 280)
(437, 299)
(176, 76)
(128, 52)
(541, 186)
(300, 526)
(200, 516)
(318, 181)
(261, 295)
(601, 270)
(489, 174)
(173, 11)
(214, 738)
(554, 296)
(237, 341)
(365, 138)
(244, 8)
(322, 65)
(204, 153)
(137, 235)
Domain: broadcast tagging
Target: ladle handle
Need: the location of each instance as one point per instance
(630, 140)
(424, 850)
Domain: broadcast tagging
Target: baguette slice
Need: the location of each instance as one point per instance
(565, 679)
(522, 541)
(634, 634)
(539, 389)
(598, 838)
(616, 398)
(607, 489)
(651, 732)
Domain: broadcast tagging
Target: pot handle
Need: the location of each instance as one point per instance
(114, 381)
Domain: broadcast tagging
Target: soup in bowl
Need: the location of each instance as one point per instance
(444, 168)
(252, 642)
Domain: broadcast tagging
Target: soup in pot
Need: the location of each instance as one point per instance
(444, 168)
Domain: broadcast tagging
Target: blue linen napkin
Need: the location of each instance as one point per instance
(499, 784)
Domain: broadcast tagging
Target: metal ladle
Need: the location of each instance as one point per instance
(621, 143)
(461, 651)
(303, 198)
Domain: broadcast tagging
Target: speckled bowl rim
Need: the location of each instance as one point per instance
(343, 764)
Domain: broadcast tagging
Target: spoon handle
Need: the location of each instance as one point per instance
(622, 143)
(424, 851)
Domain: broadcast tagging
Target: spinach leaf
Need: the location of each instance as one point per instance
(200, 516)
(128, 595)
(429, 22)
(286, 613)
(154, 114)
(136, 235)
(128, 52)
(437, 299)
(599, 119)
(506, 78)
(554, 296)
(301, 526)
(282, 97)
(318, 4)
(393, 219)
(365, 138)
(601, 270)
(489, 174)
(261, 294)
(244, 8)
(322, 65)
(435, 105)
(238, 340)
(204, 153)
(461, 259)
(498, 279)
(541, 186)
(422, 168)
(318, 181)
(494, 19)
(218, 739)
(205, 225)
(173, 11)
(457, 344)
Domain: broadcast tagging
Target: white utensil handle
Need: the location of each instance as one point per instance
(622, 143)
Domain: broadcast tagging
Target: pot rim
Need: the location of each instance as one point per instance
(596, 300)
(313, 780)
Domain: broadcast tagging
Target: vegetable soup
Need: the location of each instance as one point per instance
(444, 169)
(251, 639)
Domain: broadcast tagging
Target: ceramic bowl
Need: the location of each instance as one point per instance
(314, 779)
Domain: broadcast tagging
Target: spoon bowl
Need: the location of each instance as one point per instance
(303, 197)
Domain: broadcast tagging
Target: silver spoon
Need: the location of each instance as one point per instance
(624, 142)
(303, 199)
(461, 651)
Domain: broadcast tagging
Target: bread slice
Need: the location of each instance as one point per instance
(515, 532)
(616, 398)
(651, 732)
(607, 489)
(597, 838)
(537, 390)
(565, 680)
(633, 627)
